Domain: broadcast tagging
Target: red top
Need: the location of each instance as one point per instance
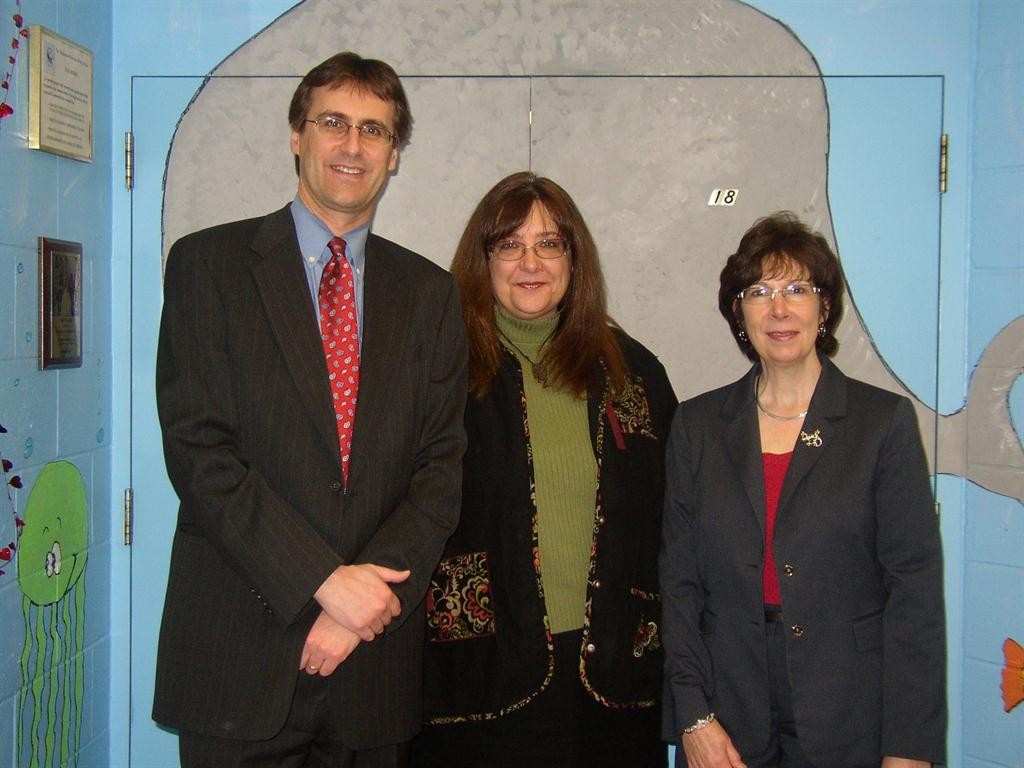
(775, 466)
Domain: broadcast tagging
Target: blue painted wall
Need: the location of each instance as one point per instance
(993, 550)
(976, 45)
(64, 414)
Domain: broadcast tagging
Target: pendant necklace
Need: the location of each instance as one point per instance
(539, 370)
(766, 412)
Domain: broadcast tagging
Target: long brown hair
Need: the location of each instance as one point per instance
(583, 340)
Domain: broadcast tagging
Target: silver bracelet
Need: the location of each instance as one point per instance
(702, 722)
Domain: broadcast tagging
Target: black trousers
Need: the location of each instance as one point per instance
(310, 739)
(563, 727)
(783, 749)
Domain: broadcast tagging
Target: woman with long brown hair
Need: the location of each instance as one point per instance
(543, 617)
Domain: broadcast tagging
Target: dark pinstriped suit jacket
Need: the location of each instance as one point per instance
(252, 451)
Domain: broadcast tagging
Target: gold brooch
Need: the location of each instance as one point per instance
(812, 440)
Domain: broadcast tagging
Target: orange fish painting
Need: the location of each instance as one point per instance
(1013, 674)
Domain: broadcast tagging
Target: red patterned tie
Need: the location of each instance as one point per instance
(340, 335)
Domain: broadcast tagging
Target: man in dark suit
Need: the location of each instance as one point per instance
(293, 622)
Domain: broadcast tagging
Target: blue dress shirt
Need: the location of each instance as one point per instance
(313, 237)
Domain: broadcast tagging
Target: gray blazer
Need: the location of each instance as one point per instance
(252, 452)
(859, 566)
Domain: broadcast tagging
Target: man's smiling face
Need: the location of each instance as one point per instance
(340, 179)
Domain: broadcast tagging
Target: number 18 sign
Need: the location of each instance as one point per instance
(723, 196)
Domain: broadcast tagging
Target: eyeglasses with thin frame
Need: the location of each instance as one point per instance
(337, 128)
(794, 293)
(513, 250)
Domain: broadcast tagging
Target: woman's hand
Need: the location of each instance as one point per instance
(711, 747)
(904, 762)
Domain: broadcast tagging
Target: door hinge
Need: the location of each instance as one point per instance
(943, 161)
(127, 510)
(129, 160)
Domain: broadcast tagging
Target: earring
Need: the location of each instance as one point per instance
(821, 330)
(741, 335)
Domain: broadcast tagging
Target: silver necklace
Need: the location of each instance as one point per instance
(766, 412)
(539, 370)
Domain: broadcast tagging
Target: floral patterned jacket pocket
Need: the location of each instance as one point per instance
(631, 409)
(459, 604)
(647, 636)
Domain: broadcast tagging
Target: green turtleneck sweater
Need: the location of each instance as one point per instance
(565, 473)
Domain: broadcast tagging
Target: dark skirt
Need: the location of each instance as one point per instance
(563, 727)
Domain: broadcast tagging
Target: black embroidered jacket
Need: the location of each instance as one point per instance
(489, 648)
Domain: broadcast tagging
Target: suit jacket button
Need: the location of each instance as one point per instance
(788, 569)
(798, 630)
(335, 485)
(597, 583)
(591, 648)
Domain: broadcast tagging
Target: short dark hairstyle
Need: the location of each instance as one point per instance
(584, 340)
(773, 247)
(352, 70)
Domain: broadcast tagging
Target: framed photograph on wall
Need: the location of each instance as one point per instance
(60, 303)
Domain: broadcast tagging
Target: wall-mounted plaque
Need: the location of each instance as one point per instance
(59, 95)
(60, 303)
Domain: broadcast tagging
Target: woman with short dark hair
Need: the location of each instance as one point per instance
(801, 567)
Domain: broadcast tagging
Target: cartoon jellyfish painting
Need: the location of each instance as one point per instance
(51, 560)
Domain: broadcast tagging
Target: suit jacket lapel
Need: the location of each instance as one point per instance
(743, 442)
(386, 331)
(282, 286)
(818, 434)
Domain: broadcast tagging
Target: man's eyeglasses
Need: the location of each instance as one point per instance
(337, 128)
(794, 293)
(513, 250)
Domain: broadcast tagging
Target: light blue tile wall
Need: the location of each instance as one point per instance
(995, 531)
(985, 734)
(994, 525)
(994, 292)
(57, 415)
(971, 762)
(998, 194)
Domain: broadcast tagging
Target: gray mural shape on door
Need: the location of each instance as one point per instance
(692, 89)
